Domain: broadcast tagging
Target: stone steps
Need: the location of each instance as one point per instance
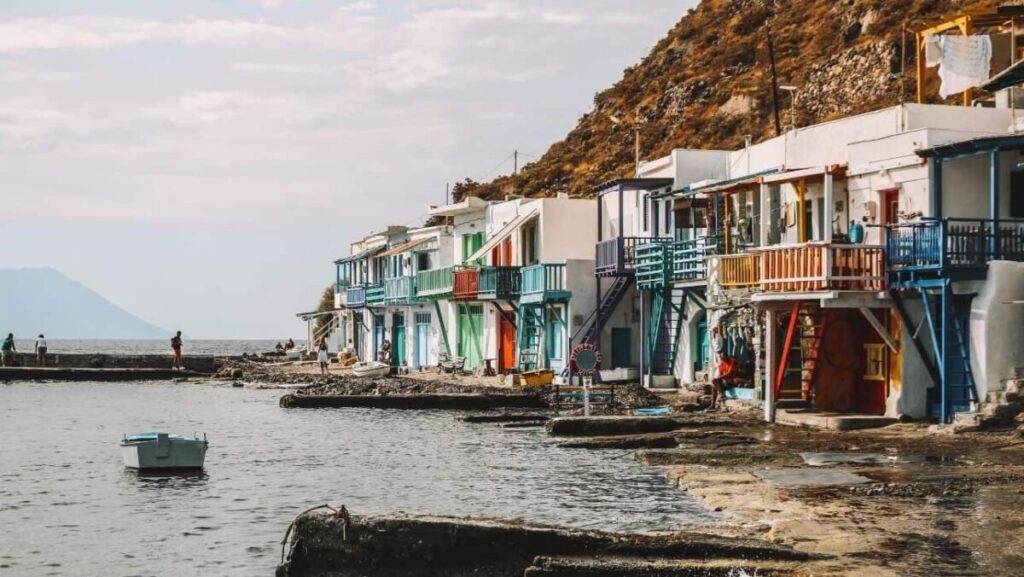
(998, 409)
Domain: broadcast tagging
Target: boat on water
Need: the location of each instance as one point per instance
(371, 369)
(163, 451)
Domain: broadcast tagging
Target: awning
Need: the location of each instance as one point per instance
(365, 254)
(314, 314)
(1011, 76)
(729, 185)
(502, 234)
(973, 146)
(405, 246)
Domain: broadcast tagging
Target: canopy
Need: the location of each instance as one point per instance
(360, 256)
(502, 234)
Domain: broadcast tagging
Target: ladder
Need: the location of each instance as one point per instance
(801, 351)
(528, 334)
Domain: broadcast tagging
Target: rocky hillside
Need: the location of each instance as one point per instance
(707, 84)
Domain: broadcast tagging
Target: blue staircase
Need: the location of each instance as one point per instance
(668, 315)
(609, 302)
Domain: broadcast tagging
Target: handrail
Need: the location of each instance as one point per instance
(935, 244)
(817, 266)
(737, 270)
(499, 281)
(542, 278)
(615, 255)
(435, 281)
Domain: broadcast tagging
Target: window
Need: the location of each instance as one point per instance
(875, 369)
(422, 261)
(471, 243)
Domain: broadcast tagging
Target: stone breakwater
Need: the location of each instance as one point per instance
(327, 543)
(197, 363)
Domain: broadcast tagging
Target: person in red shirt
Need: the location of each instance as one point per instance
(727, 375)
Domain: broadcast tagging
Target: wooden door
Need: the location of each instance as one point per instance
(506, 342)
(890, 206)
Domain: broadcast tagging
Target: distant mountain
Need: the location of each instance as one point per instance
(42, 300)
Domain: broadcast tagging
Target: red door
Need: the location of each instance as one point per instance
(890, 205)
(506, 343)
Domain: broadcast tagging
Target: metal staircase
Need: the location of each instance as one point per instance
(593, 324)
(668, 314)
(949, 334)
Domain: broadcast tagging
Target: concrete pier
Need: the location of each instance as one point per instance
(101, 375)
(326, 545)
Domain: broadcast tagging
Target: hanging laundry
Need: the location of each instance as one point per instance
(963, 61)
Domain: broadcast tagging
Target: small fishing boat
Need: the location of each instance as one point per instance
(371, 369)
(163, 451)
(653, 411)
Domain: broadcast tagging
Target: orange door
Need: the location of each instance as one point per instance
(506, 344)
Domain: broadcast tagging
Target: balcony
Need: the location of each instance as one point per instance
(466, 282)
(815, 267)
(543, 283)
(355, 296)
(400, 290)
(435, 284)
(375, 295)
(735, 270)
(615, 257)
(689, 258)
(954, 248)
(499, 283)
(652, 265)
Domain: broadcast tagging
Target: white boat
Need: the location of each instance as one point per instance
(371, 369)
(155, 451)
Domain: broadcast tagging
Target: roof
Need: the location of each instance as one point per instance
(468, 204)
(405, 246)
(360, 256)
(1011, 76)
(313, 314)
(728, 185)
(502, 234)
(974, 146)
(633, 183)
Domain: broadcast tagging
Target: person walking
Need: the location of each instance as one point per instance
(321, 355)
(7, 350)
(41, 351)
(176, 347)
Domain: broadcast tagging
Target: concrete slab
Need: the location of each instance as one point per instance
(810, 477)
(831, 421)
(78, 374)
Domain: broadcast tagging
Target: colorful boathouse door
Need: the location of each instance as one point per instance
(506, 343)
(471, 322)
(700, 357)
(378, 335)
(422, 339)
(398, 339)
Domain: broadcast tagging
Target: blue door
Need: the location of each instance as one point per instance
(422, 339)
(378, 335)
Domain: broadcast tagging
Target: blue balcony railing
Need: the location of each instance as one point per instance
(355, 296)
(543, 282)
(955, 245)
(400, 290)
(499, 283)
(375, 294)
(615, 256)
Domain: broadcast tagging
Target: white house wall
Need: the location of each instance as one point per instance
(567, 229)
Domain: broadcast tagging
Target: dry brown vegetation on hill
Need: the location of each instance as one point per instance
(707, 84)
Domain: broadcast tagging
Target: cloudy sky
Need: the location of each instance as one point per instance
(201, 163)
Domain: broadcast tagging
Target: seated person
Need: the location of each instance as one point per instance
(728, 376)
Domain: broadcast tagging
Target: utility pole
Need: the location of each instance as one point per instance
(447, 188)
(775, 81)
(515, 162)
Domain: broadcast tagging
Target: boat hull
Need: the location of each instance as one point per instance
(164, 453)
(371, 369)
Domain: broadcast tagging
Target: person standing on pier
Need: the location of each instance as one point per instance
(7, 350)
(41, 351)
(176, 347)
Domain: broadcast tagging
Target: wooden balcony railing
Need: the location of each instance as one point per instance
(953, 243)
(375, 294)
(466, 284)
(821, 267)
(355, 296)
(615, 256)
(435, 283)
(499, 283)
(543, 282)
(736, 270)
(400, 290)
(689, 256)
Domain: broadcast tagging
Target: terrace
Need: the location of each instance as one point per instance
(816, 266)
(499, 283)
(466, 282)
(435, 284)
(953, 248)
(614, 255)
(544, 283)
(400, 290)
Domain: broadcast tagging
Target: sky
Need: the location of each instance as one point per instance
(201, 163)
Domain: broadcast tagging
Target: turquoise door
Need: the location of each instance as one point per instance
(398, 339)
(622, 347)
(556, 341)
(378, 335)
(422, 339)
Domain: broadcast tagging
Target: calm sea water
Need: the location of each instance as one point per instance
(68, 507)
(152, 346)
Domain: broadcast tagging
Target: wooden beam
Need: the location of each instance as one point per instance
(879, 328)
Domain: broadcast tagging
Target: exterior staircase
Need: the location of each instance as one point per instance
(804, 336)
(665, 330)
(609, 302)
(997, 410)
(528, 333)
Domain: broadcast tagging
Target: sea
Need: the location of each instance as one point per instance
(69, 507)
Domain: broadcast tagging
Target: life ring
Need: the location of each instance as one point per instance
(585, 359)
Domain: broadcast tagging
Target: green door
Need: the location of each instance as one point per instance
(622, 347)
(700, 356)
(470, 244)
(398, 339)
(471, 326)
